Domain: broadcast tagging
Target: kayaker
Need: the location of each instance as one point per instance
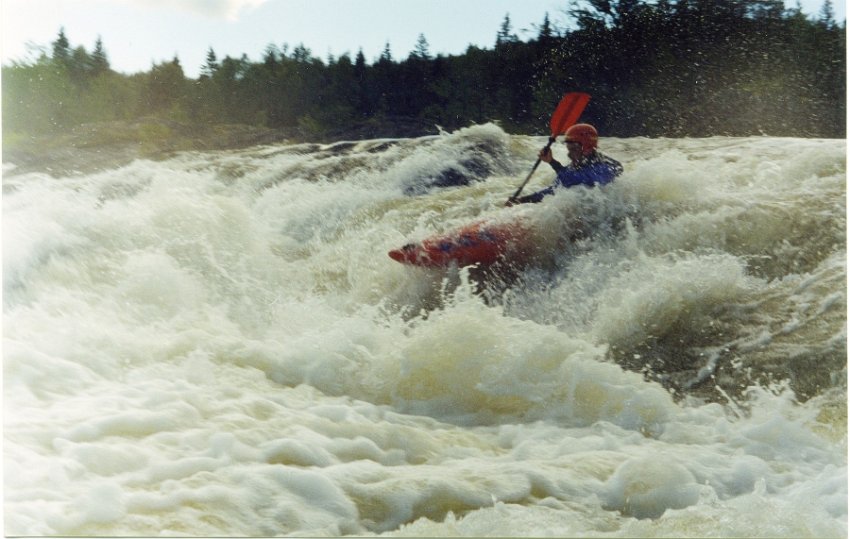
(588, 166)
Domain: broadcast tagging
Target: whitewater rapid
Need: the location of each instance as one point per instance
(217, 344)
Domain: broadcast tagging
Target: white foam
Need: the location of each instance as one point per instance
(217, 344)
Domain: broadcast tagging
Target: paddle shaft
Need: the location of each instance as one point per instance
(566, 114)
(530, 174)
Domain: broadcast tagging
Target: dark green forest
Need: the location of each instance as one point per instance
(666, 68)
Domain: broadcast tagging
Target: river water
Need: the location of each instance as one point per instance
(217, 344)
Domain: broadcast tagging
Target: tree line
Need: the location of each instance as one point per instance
(661, 68)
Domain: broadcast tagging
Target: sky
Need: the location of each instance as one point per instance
(138, 33)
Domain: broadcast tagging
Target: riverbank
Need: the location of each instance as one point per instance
(92, 147)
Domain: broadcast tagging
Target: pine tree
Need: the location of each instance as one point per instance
(61, 49)
(505, 34)
(271, 55)
(301, 53)
(827, 15)
(360, 64)
(211, 66)
(99, 61)
(545, 33)
(421, 50)
(81, 65)
(361, 84)
(386, 55)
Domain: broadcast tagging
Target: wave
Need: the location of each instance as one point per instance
(218, 344)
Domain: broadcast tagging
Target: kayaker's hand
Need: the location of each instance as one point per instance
(545, 155)
(511, 202)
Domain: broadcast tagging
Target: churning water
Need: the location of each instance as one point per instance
(218, 344)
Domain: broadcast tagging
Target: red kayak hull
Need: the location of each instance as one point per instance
(478, 243)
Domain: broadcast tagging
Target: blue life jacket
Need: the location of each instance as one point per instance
(595, 169)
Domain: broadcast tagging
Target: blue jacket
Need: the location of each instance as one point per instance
(595, 169)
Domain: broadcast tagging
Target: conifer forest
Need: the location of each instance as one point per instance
(673, 68)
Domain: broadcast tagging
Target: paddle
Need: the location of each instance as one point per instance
(565, 116)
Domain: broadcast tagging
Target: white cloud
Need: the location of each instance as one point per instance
(227, 9)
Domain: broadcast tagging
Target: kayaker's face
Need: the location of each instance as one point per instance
(574, 151)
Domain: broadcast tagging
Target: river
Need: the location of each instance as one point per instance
(217, 344)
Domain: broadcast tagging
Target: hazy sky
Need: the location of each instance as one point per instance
(137, 33)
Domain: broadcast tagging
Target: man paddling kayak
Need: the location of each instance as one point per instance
(588, 166)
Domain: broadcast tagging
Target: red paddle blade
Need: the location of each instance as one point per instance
(568, 112)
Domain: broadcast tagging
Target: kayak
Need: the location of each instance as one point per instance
(479, 243)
